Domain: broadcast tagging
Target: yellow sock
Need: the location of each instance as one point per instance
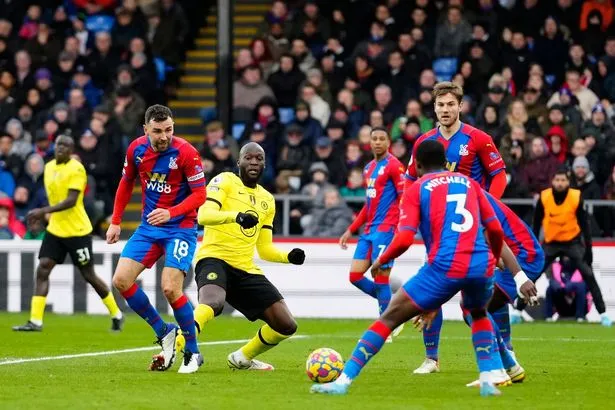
(202, 315)
(37, 309)
(266, 338)
(111, 305)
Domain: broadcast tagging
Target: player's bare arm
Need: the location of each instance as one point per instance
(68, 203)
(525, 287)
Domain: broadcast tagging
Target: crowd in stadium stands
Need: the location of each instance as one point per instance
(539, 77)
(83, 68)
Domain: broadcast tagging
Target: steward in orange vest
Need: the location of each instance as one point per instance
(560, 213)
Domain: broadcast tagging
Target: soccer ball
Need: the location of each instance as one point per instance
(324, 365)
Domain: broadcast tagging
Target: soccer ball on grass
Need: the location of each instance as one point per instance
(324, 365)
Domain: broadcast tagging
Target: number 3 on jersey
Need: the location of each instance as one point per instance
(468, 220)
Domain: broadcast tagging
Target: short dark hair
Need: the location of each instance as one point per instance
(380, 129)
(430, 154)
(157, 113)
(562, 171)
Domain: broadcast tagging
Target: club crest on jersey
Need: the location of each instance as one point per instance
(172, 163)
(463, 150)
(264, 205)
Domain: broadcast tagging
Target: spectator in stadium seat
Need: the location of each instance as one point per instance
(416, 59)
(364, 75)
(32, 181)
(567, 13)
(336, 134)
(586, 97)
(318, 181)
(145, 81)
(315, 78)
(518, 57)
(103, 60)
(313, 39)
(577, 60)
(383, 102)
(261, 55)
(125, 28)
(214, 132)
(319, 108)
(44, 47)
(63, 73)
(9, 160)
(296, 154)
(250, 89)
(335, 164)
(354, 188)
(556, 118)
(10, 227)
(303, 56)
(278, 14)
(452, 34)
(6, 56)
(43, 145)
(570, 105)
(79, 111)
(550, 49)
(489, 122)
(171, 33)
(599, 153)
(420, 21)
(128, 108)
(220, 154)
(312, 129)
(538, 171)
(517, 115)
(600, 121)
(397, 79)
(24, 76)
(584, 179)
(83, 81)
(406, 129)
(331, 220)
(376, 48)
(496, 96)
(44, 85)
(277, 42)
(534, 101)
(609, 212)
(22, 140)
(557, 143)
(333, 74)
(8, 108)
(311, 12)
(354, 156)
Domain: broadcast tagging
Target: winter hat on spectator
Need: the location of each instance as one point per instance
(102, 109)
(256, 128)
(294, 129)
(496, 90)
(598, 108)
(66, 56)
(124, 92)
(302, 105)
(126, 67)
(323, 142)
(60, 106)
(557, 107)
(319, 167)
(40, 135)
(42, 74)
(335, 124)
(566, 91)
(591, 130)
(580, 162)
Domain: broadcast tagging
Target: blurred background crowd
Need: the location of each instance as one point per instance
(539, 77)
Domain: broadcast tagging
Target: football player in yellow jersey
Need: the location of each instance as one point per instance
(238, 217)
(69, 231)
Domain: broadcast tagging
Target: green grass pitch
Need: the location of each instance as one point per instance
(568, 366)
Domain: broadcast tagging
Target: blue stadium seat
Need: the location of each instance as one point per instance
(161, 69)
(287, 115)
(98, 23)
(238, 129)
(445, 68)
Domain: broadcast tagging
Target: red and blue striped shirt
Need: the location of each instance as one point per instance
(167, 177)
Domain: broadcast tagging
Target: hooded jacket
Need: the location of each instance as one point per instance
(14, 226)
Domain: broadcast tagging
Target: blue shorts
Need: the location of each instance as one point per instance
(429, 290)
(505, 281)
(149, 243)
(372, 245)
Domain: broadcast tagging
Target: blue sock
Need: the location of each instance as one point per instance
(184, 314)
(364, 284)
(383, 292)
(139, 302)
(431, 337)
(485, 348)
(507, 360)
(502, 319)
(369, 345)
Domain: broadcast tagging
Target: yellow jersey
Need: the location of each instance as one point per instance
(224, 238)
(59, 179)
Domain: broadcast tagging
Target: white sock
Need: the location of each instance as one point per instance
(604, 315)
(118, 315)
(484, 377)
(343, 379)
(37, 322)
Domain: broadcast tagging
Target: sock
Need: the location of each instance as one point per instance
(139, 302)
(266, 338)
(202, 314)
(431, 337)
(183, 312)
(369, 345)
(507, 360)
(502, 319)
(364, 284)
(37, 309)
(112, 307)
(383, 292)
(483, 339)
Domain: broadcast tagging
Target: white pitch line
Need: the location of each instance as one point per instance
(122, 351)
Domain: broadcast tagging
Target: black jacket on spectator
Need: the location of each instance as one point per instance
(102, 67)
(286, 85)
(519, 62)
